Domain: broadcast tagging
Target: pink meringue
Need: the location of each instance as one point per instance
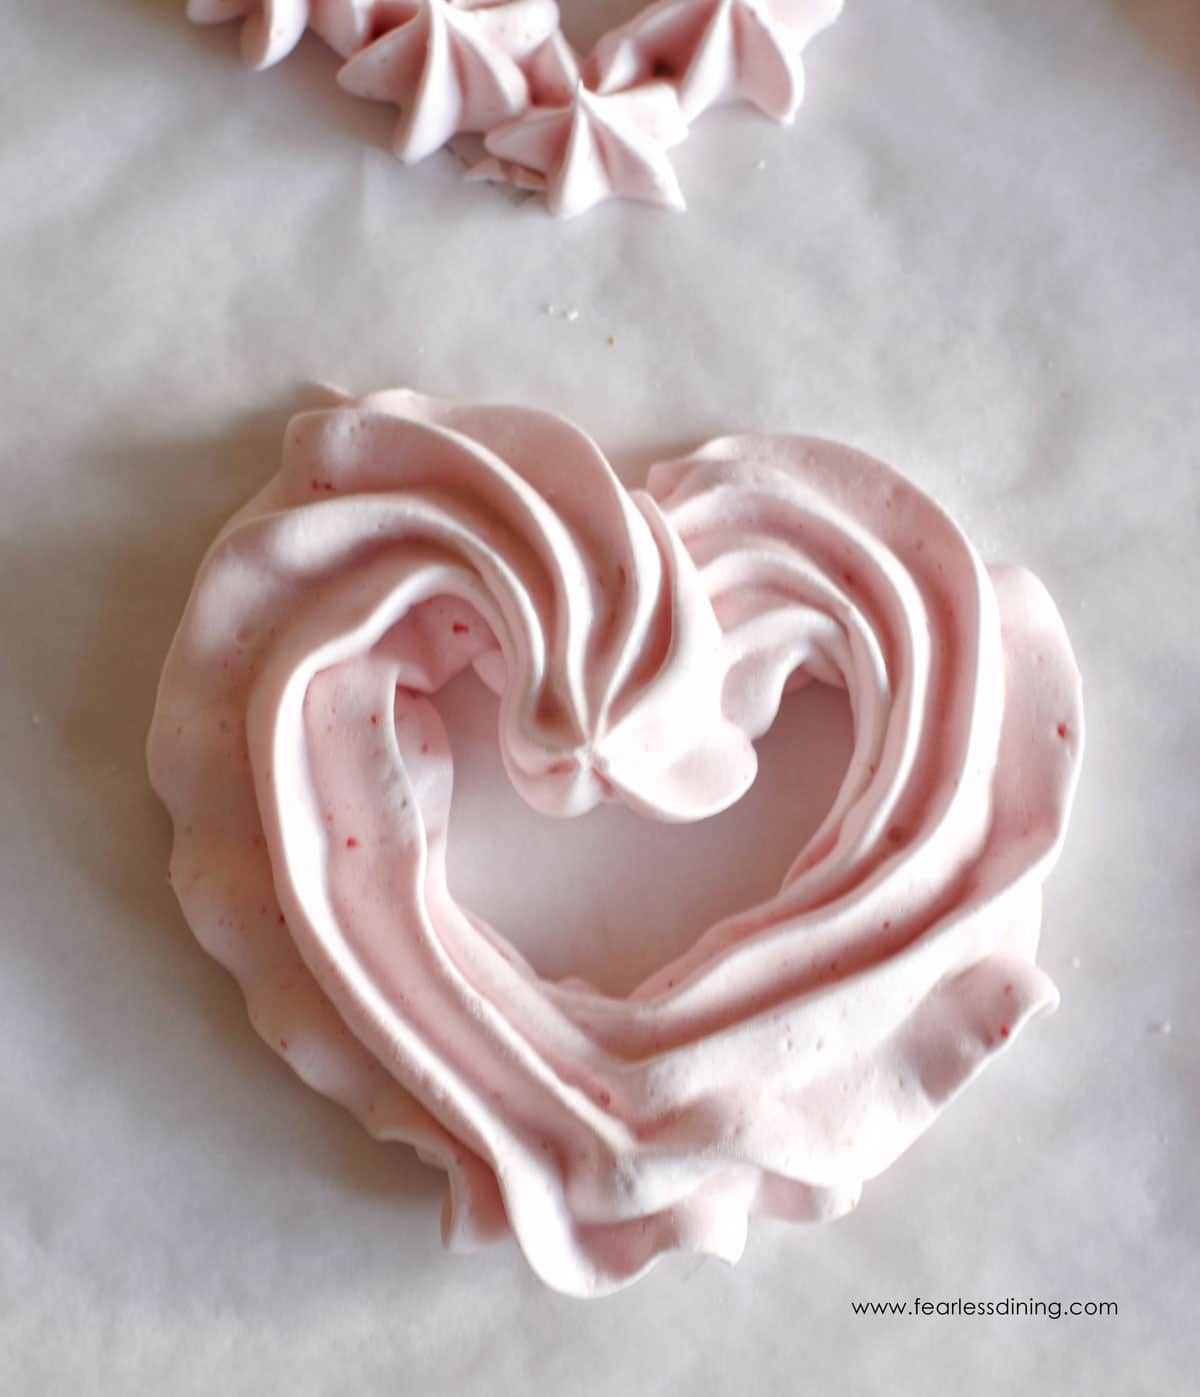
(349, 25)
(717, 51)
(504, 68)
(452, 67)
(272, 28)
(639, 641)
(553, 72)
(596, 148)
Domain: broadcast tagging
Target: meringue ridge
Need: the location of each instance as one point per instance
(638, 642)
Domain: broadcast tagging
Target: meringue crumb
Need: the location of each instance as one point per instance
(1075, 962)
(760, 164)
(1162, 1028)
(572, 314)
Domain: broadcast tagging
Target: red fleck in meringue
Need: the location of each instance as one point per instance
(717, 51)
(639, 641)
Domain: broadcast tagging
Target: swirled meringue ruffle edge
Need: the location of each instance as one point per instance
(638, 642)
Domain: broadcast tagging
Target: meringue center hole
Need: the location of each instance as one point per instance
(611, 896)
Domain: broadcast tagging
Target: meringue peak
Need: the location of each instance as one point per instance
(717, 51)
(505, 70)
(451, 67)
(599, 146)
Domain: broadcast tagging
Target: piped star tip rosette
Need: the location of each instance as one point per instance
(638, 642)
(579, 128)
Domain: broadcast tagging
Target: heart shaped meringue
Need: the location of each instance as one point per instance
(638, 641)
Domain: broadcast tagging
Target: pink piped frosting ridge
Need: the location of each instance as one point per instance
(582, 128)
(638, 642)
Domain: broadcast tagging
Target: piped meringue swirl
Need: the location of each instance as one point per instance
(639, 642)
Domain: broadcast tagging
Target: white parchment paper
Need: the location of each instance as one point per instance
(976, 255)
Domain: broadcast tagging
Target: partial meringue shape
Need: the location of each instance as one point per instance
(349, 25)
(272, 28)
(553, 72)
(496, 171)
(504, 69)
(598, 148)
(639, 642)
(453, 66)
(716, 51)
